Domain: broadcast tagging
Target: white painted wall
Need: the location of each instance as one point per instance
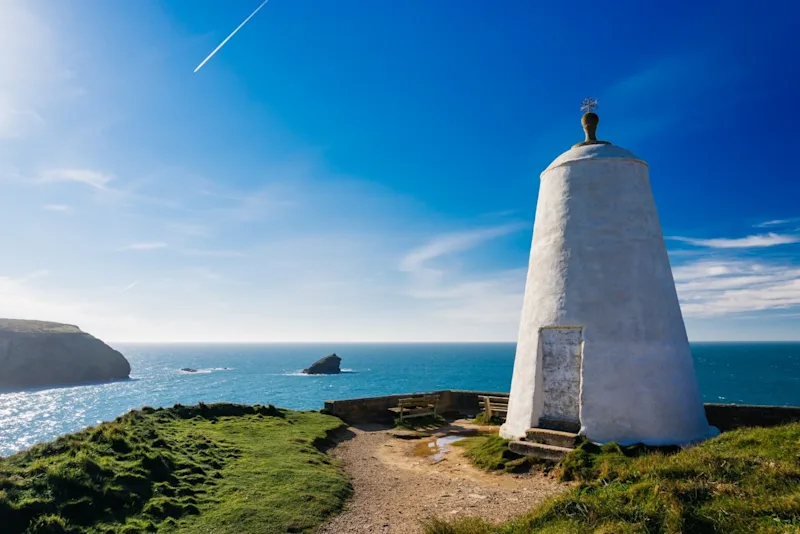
(598, 260)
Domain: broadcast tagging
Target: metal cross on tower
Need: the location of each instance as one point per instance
(589, 104)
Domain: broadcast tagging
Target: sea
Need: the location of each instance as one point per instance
(741, 373)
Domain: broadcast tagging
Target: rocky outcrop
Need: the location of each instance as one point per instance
(39, 353)
(329, 365)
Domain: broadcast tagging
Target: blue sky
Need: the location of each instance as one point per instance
(362, 170)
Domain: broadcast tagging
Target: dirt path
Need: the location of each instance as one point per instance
(395, 490)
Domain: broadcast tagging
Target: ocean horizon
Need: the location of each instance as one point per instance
(764, 373)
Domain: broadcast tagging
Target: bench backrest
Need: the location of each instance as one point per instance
(495, 406)
(496, 401)
(412, 402)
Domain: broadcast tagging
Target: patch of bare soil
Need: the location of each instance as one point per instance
(396, 489)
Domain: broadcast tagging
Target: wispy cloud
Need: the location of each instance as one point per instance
(109, 189)
(718, 288)
(94, 179)
(150, 245)
(752, 241)
(454, 242)
(248, 207)
(190, 229)
(778, 222)
(488, 298)
(18, 123)
(211, 253)
(129, 287)
(492, 297)
(57, 207)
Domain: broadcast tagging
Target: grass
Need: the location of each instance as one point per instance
(494, 420)
(744, 481)
(490, 452)
(221, 468)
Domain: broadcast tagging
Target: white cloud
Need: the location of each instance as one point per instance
(778, 222)
(150, 245)
(210, 253)
(129, 286)
(18, 123)
(492, 298)
(57, 207)
(94, 179)
(467, 299)
(717, 288)
(753, 241)
(190, 229)
(454, 242)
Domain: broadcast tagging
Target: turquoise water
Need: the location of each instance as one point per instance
(755, 373)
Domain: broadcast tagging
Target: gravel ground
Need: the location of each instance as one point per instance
(395, 490)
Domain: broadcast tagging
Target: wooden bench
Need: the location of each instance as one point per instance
(416, 406)
(495, 407)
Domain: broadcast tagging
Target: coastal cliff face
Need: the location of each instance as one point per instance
(39, 353)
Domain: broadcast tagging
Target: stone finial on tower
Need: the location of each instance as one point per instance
(590, 121)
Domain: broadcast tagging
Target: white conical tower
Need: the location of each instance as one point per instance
(602, 346)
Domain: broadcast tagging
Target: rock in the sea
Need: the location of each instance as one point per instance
(40, 353)
(329, 365)
(188, 370)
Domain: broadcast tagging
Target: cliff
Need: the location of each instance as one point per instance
(174, 470)
(39, 353)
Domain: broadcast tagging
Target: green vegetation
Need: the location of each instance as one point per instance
(494, 420)
(221, 468)
(490, 452)
(743, 481)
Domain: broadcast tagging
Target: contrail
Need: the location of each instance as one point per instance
(231, 35)
(130, 286)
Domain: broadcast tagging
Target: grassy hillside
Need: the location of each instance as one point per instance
(743, 481)
(219, 468)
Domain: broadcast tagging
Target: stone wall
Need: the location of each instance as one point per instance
(376, 409)
(366, 410)
(730, 416)
(453, 402)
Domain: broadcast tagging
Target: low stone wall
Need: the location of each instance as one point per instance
(454, 402)
(366, 410)
(730, 416)
(376, 409)
(466, 402)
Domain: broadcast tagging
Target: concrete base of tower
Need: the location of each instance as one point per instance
(515, 435)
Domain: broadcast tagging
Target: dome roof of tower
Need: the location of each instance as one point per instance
(593, 151)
